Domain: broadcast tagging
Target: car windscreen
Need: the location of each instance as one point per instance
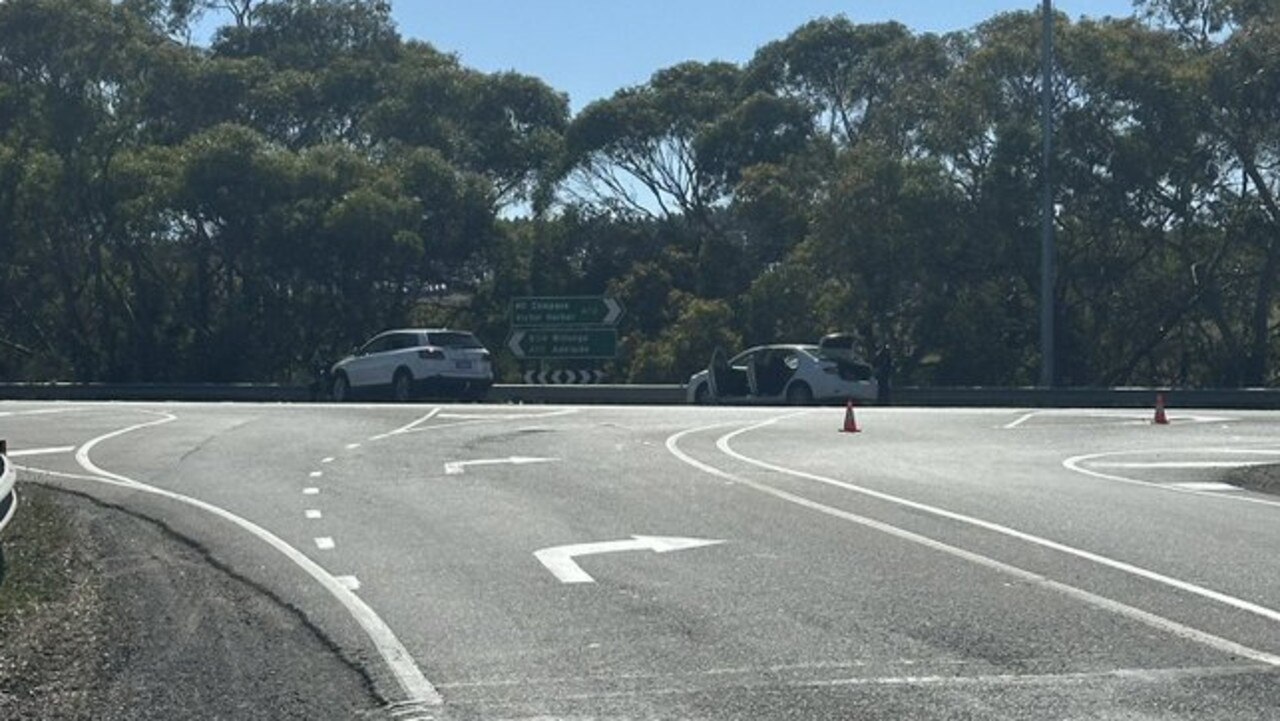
(454, 340)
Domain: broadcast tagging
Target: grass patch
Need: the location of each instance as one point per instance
(38, 548)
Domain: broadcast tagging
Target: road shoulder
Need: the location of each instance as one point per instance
(107, 615)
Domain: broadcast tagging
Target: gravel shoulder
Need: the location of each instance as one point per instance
(106, 615)
(1264, 479)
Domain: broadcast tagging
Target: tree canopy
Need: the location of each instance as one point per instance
(179, 212)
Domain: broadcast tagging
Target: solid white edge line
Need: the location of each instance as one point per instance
(25, 452)
(1188, 465)
(1075, 463)
(406, 672)
(1243, 605)
(1092, 599)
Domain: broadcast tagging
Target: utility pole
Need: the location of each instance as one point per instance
(1046, 200)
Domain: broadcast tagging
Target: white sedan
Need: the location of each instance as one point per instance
(407, 362)
(793, 374)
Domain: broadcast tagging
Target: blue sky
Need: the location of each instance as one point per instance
(589, 48)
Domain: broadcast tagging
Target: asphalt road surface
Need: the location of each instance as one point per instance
(538, 562)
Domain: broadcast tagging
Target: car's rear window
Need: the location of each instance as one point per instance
(454, 340)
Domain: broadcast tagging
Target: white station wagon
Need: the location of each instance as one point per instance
(406, 363)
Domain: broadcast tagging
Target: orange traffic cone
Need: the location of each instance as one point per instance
(850, 423)
(1161, 419)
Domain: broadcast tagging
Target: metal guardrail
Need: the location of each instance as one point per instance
(672, 394)
(8, 496)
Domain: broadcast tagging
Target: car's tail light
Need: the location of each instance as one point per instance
(431, 354)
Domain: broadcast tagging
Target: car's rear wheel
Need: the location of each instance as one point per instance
(341, 388)
(799, 394)
(702, 395)
(402, 386)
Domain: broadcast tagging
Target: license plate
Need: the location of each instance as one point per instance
(462, 365)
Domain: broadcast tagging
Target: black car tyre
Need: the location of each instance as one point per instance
(341, 389)
(799, 394)
(702, 395)
(402, 386)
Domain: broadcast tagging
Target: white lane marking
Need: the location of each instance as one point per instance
(41, 451)
(311, 491)
(40, 412)
(1021, 420)
(457, 467)
(510, 416)
(408, 427)
(1243, 605)
(1004, 530)
(350, 582)
(352, 446)
(405, 670)
(328, 459)
(559, 559)
(324, 543)
(1182, 464)
(1086, 597)
(1133, 675)
(1208, 486)
(1121, 417)
(315, 474)
(1077, 464)
(313, 514)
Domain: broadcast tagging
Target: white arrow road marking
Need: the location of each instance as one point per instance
(559, 559)
(457, 467)
(41, 451)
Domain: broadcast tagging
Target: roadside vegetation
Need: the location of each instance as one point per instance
(172, 210)
(49, 614)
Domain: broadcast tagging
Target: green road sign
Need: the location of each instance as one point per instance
(538, 343)
(552, 311)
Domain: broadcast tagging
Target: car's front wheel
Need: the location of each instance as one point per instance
(341, 388)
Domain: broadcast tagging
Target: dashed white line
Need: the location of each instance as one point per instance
(352, 446)
(328, 459)
(413, 683)
(316, 474)
(312, 514)
(311, 491)
(324, 543)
